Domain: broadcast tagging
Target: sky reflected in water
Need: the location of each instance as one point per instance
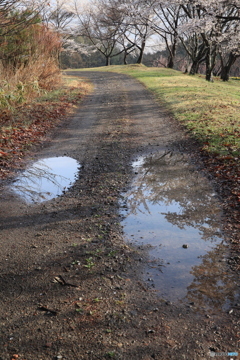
(46, 179)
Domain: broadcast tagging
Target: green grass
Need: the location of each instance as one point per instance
(210, 111)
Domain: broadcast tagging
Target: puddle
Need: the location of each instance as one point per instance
(46, 179)
(173, 213)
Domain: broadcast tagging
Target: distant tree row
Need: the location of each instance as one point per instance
(194, 35)
(207, 32)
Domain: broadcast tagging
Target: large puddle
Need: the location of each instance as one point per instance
(46, 179)
(173, 213)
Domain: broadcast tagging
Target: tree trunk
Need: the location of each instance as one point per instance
(210, 63)
(170, 62)
(211, 53)
(227, 67)
(140, 58)
(172, 53)
(209, 75)
(108, 61)
(225, 73)
(125, 58)
(194, 68)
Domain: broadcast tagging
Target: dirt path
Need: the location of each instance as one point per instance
(69, 284)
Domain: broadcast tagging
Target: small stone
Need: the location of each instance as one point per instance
(133, 313)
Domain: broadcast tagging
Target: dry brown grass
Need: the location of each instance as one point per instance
(22, 86)
(31, 72)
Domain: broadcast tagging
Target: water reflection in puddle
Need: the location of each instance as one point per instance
(173, 212)
(46, 179)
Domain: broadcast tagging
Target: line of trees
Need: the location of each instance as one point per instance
(207, 30)
(204, 34)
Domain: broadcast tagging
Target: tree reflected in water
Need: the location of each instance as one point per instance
(167, 179)
(214, 286)
(173, 209)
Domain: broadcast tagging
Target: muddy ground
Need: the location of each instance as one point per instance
(70, 286)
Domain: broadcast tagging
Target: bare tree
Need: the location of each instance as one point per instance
(102, 24)
(115, 17)
(165, 24)
(58, 15)
(191, 40)
(137, 25)
(137, 35)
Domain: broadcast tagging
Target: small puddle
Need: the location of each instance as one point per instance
(46, 179)
(171, 211)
